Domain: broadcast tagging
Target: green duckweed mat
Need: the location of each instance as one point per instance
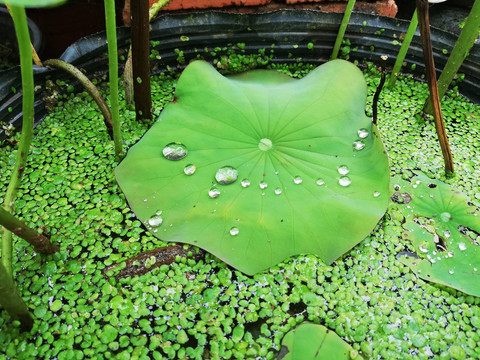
(198, 307)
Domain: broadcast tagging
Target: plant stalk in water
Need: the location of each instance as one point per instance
(113, 73)
(141, 59)
(11, 301)
(460, 51)
(403, 50)
(89, 87)
(41, 243)
(23, 37)
(422, 10)
(343, 27)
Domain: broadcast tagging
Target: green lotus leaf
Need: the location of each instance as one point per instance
(315, 342)
(258, 167)
(443, 228)
(33, 3)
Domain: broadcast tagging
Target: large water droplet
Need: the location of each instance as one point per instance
(278, 191)
(423, 247)
(462, 246)
(358, 145)
(343, 170)
(265, 144)
(155, 221)
(344, 181)
(226, 175)
(445, 216)
(190, 169)
(175, 151)
(362, 133)
(213, 193)
(320, 182)
(245, 183)
(297, 180)
(263, 184)
(234, 231)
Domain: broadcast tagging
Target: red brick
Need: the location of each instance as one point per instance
(204, 4)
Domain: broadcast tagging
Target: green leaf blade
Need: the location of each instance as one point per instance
(251, 123)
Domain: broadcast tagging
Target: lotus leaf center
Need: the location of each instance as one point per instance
(265, 144)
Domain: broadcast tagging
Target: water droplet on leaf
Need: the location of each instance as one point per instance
(175, 151)
(445, 216)
(362, 133)
(226, 175)
(320, 182)
(265, 144)
(263, 184)
(189, 169)
(344, 181)
(297, 180)
(358, 145)
(213, 193)
(423, 247)
(376, 194)
(155, 221)
(343, 170)
(245, 183)
(278, 191)
(462, 246)
(234, 231)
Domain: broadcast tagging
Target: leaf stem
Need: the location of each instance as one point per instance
(460, 51)
(343, 27)
(403, 50)
(11, 301)
(89, 87)
(141, 59)
(23, 37)
(422, 9)
(113, 73)
(41, 243)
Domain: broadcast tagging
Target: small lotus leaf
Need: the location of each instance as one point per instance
(315, 342)
(443, 227)
(258, 167)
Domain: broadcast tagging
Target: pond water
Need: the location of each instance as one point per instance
(200, 308)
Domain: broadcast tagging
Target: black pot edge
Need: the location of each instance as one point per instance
(261, 29)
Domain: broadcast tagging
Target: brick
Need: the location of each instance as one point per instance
(205, 4)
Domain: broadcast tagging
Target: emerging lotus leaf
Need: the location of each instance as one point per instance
(258, 167)
(443, 228)
(315, 342)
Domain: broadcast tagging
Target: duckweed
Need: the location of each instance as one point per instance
(199, 308)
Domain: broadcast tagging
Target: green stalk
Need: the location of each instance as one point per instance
(11, 301)
(460, 51)
(343, 27)
(156, 8)
(403, 50)
(113, 73)
(40, 242)
(23, 37)
(89, 87)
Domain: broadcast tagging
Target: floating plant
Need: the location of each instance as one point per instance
(444, 229)
(315, 342)
(290, 138)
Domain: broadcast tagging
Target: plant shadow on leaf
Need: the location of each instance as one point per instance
(444, 229)
(315, 342)
(281, 166)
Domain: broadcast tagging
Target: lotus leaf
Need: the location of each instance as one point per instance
(258, 167)
(315, 342)
(443, 227)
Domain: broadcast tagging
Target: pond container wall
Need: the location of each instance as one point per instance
(290, 33)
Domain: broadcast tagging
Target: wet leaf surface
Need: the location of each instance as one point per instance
(315, 342)
(444, 230)
(258, 167)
